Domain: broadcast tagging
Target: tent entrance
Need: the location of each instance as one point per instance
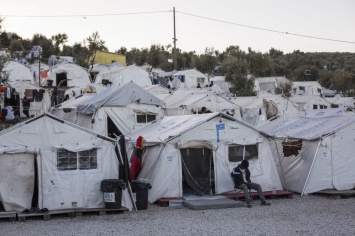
(18, 184)
(35, 187)
(62, 80)
(112, 130)
(197, 171)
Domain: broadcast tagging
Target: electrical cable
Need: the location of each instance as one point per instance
(264, 29)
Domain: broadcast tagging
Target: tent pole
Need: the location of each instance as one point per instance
(310, 170)
(282, 170)
(128, 184)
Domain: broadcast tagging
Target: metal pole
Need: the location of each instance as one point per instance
(39, 67)
(175, 62)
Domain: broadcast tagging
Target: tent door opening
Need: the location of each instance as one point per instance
(197, 171)
(17, 188)
(112, 130)
(61, 80)
(35, 187)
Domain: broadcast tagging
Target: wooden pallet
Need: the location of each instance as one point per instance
(337, 194)
(8, 216)
(22, 217)
(164, 202)
(99, 211)
(255, 195)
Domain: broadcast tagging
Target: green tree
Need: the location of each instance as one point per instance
(236, 72)
(95, 43)
(58, 41)
(122, 50)
(343, 82)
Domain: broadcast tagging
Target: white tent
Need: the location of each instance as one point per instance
(314, 153)
(17, 72)
(260, 109)
(306, 88)
(187, 102)
(269, 84)
(170, 141)
(56, 165)
(311, 102)
(41, 100)
(127, 106)
(186, 79)
(69, 75)
(124, 75)
(345, 102)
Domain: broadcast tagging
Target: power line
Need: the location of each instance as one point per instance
(264, 29)
(88, 15)
(185, 13)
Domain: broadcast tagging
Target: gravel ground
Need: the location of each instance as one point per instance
(308, 215)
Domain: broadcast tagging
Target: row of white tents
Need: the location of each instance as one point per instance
(59, 159)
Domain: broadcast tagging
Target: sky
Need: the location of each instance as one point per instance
(256, 24)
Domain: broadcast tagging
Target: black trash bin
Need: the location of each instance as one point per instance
(112, 189)
(141, 190)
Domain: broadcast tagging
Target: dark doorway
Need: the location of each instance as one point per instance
(198, 171)
(62, 80)
(112, 130)
(35, 192)
(93, 76)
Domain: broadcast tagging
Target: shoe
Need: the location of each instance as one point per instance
(249, 205)
(265, 204)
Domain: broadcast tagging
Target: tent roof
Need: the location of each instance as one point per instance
(55, 119)
(306, 83)
(308, 128)
(272, 79)
(168, 73)
(306, 98)
(169, 127)
(119, 96)
(340, 100)
(181, 98)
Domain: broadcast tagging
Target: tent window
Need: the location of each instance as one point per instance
(66, 160)
(237, 153)
(83, 160)
(291, 148)
(200, 80)
(88, 159)
(145, 117)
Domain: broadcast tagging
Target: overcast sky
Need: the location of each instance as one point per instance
(329, 19)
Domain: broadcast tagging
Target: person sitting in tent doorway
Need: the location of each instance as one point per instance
(241, 177)
(136, 165)
(25, 106)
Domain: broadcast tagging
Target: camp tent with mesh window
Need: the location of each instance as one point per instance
(46, 162)
(115, 111)
(196, 153)
(314, 153)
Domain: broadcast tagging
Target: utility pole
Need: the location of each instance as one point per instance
(175, 62)
(39, 66)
